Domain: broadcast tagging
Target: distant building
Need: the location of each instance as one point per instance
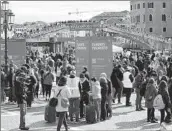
(152, 16)
(107, 15)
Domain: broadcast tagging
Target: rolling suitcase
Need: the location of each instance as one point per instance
(50, 114)
(90, 112)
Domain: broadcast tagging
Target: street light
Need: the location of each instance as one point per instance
(8, 21)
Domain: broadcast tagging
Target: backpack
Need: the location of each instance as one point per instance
(158, 102)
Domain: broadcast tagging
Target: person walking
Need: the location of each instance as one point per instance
(62, 109)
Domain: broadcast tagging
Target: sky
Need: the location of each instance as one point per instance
(51, 11)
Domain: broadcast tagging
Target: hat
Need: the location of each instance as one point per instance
(62, 81)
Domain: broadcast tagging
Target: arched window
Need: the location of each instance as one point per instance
(150, 17)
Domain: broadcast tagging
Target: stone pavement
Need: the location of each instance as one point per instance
(124, 118)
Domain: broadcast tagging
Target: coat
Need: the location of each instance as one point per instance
(65, 93)
(150, 95)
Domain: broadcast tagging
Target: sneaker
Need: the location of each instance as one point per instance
(128, 104)
(153, 121)
(142, 109)
(24, 128)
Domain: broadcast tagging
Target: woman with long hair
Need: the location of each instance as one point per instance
(163, 90)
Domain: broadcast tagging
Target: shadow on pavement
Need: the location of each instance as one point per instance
(121, 113)
(136, 124)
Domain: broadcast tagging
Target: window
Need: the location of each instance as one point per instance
(150, 29)
(143, 5)
(150, 17)
(164, 29)
(150, 5)
(164, 5)
(163, 17)
(138, 18)
(131, 7)
(134, 6)
(143, 18)
(138, 6)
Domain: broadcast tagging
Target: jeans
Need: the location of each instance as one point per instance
(23, 108)
(37, 90)
(163, 115)
(118, 93)
(109, 103)
(128, 95)
(43, 89)
(48, 90)
(74, 108)
(97, 103)
(12, 94)
(150, 114)
(62, 119)
(138, 99)
(84, 100)
(103, 109)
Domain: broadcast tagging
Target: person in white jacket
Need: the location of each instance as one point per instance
(75, 96)
(96, 94)
(62, 92)
(127, 82)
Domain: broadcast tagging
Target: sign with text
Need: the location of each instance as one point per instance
(82, 54)
(16, 51)
(101, 56)
(96, 54)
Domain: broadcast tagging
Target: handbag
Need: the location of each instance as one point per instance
(64, 102)
(54, 101)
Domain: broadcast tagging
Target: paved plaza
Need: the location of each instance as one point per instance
(124, 118)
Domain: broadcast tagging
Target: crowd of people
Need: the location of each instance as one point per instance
(84, 97)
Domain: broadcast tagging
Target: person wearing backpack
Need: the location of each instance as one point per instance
(62, 94)
(150, 95)
(163, 91)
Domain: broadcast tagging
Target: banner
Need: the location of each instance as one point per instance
(16, 51)
(96, 54)
(82, 54)
(101, 56)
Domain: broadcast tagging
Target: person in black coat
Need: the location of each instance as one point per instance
(86, 73)
(140, 64)
(170, 90)
(116, 79)
(169, 71)
(20, 92)
(84, 88)
(104, 94)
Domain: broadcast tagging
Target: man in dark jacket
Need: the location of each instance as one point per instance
(116, 78)
(140, 64)
(20, 91)
(84, 88)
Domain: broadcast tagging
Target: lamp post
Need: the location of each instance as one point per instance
(8, 20)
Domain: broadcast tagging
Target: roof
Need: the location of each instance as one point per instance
(113, 14)
(117, 21)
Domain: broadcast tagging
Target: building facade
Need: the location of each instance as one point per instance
(152, 16)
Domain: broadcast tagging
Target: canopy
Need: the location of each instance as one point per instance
(117, 49)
